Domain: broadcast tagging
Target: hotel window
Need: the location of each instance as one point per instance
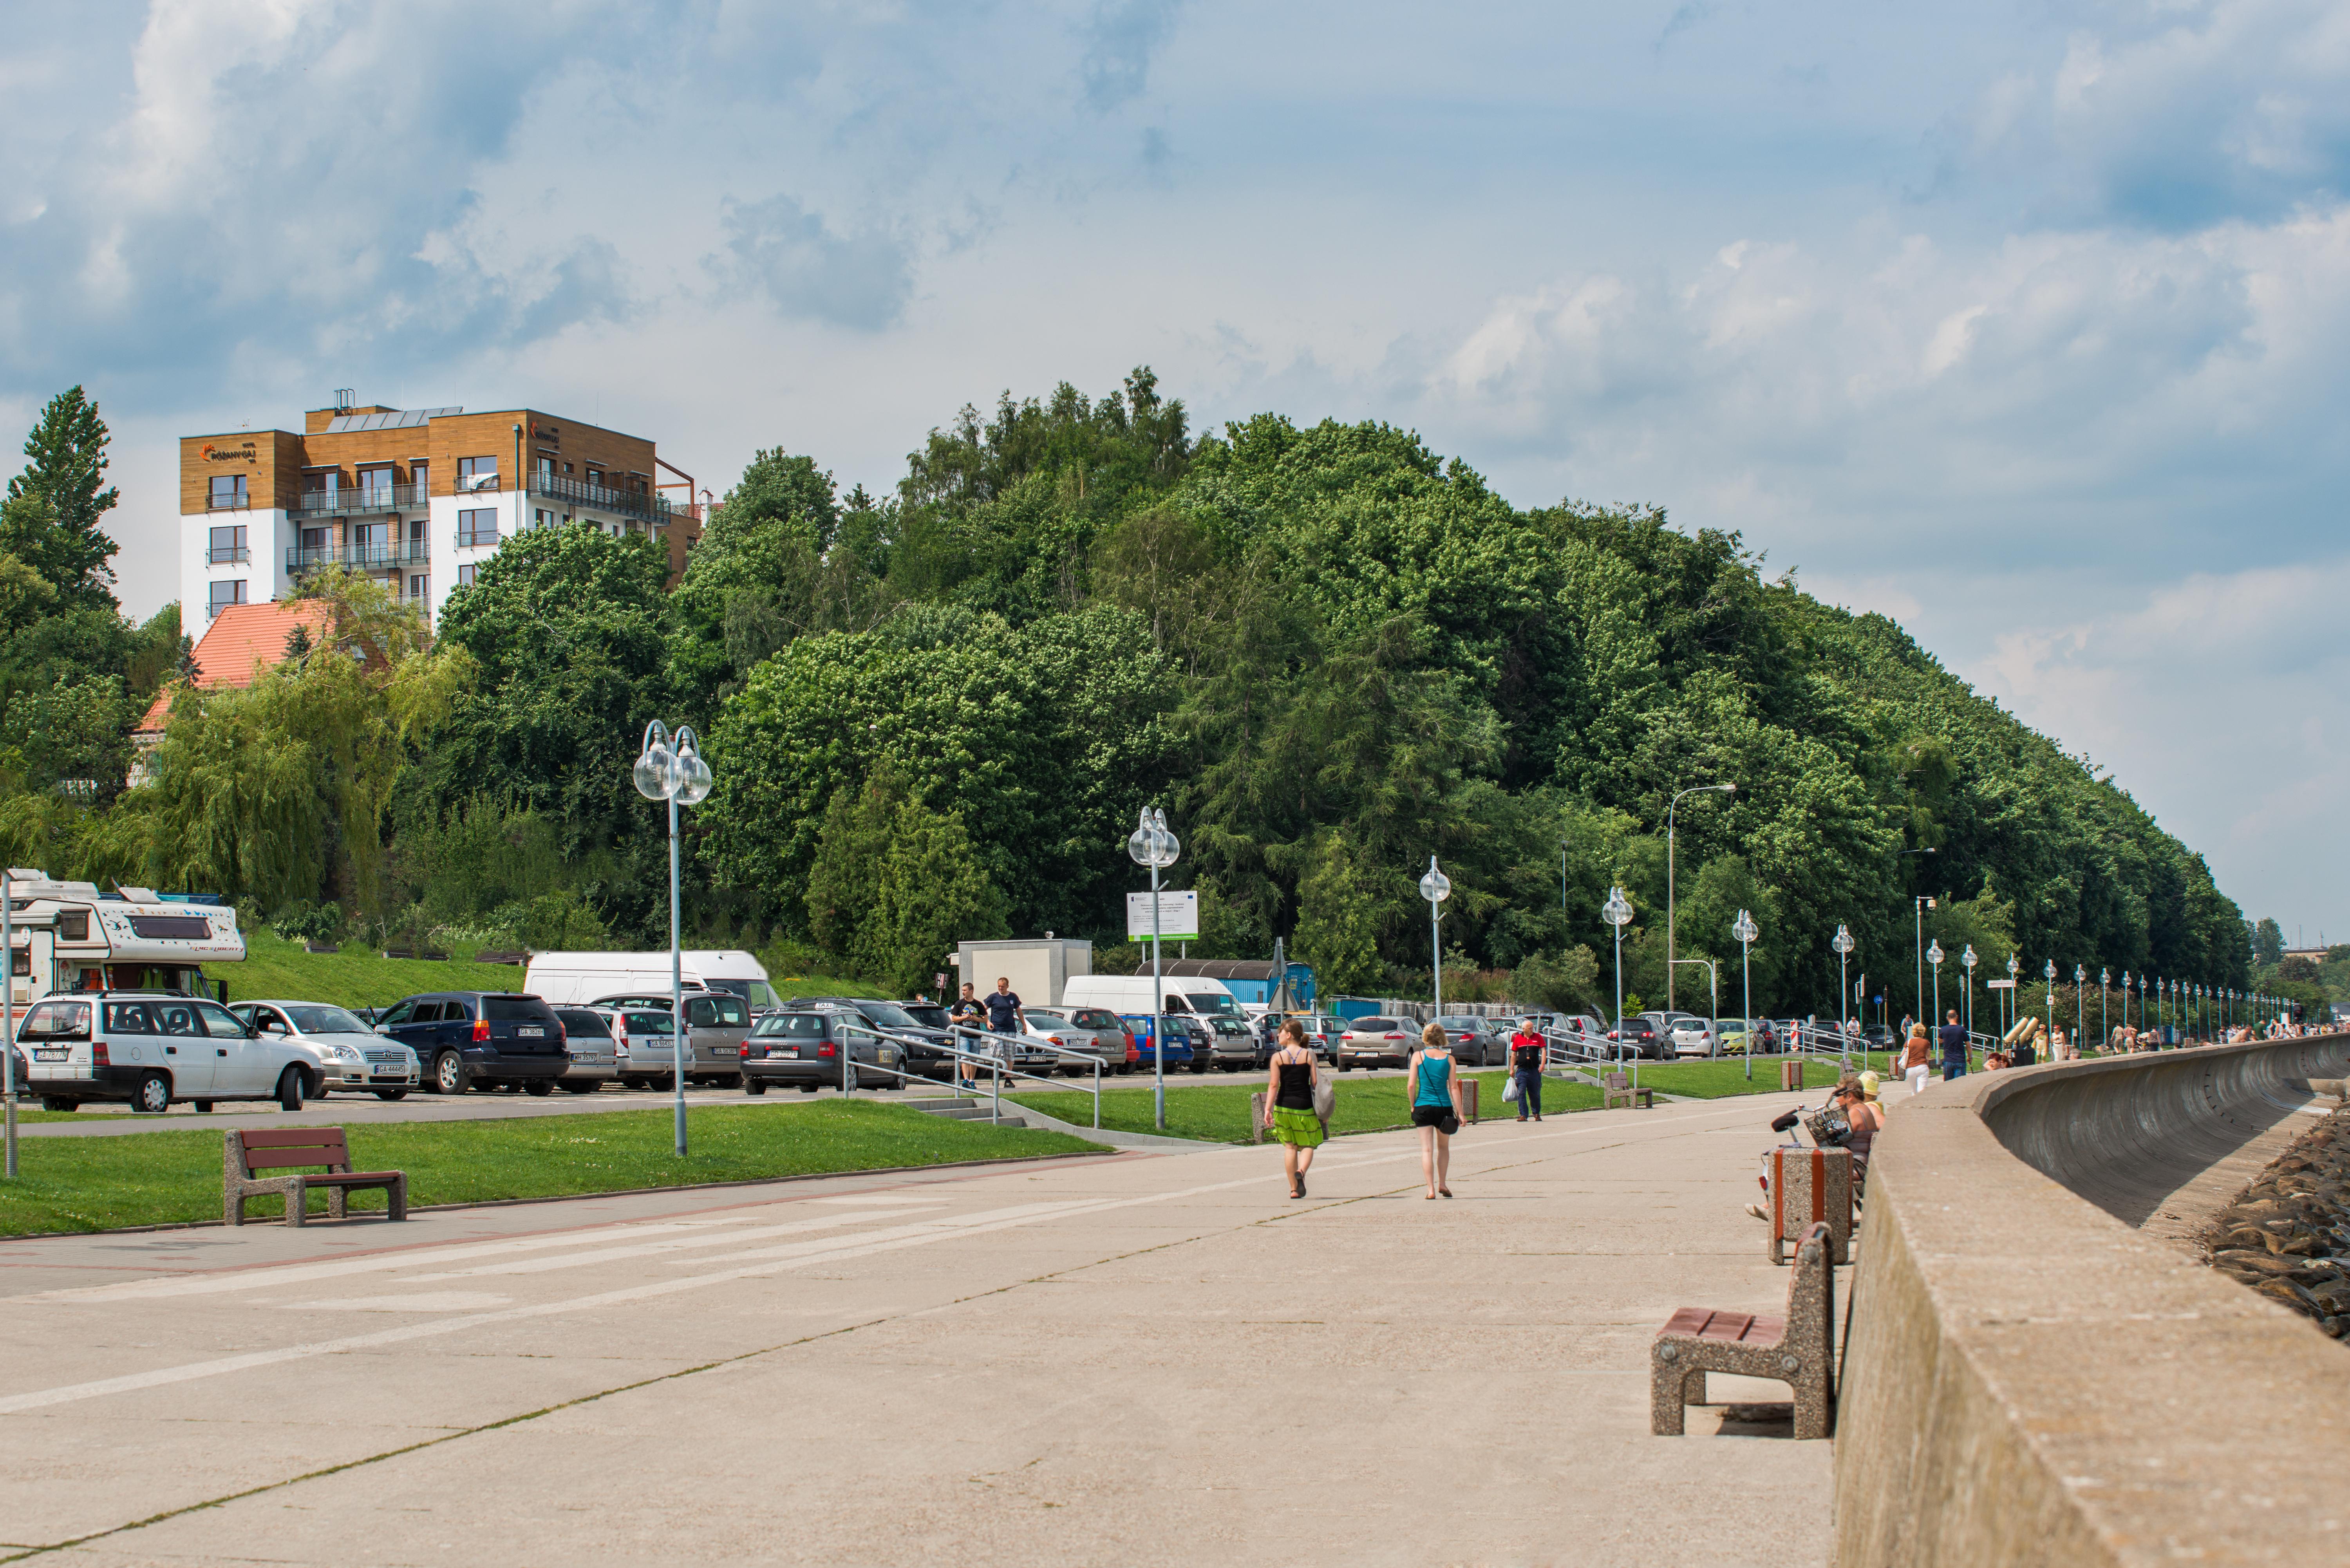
(595, 476)
(373, 541)
(476, 473)
(228, 545)
(466, 575)
(375, 484)
(419, 585)
(419, 475)
(317, 543)
(416, 538)
(544, 518)
(477, 525)
(546, 468)
(322, 482)
(227, 491)
(229, 592)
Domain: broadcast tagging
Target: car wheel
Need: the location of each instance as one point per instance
(290, 1089)
(58, 1103)
(392, 1093)
(449, 1073)
(153, 1095)
(539, 1088)
(752, 1086)
(581, 1085)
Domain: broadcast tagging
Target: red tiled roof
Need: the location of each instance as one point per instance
(243, 641)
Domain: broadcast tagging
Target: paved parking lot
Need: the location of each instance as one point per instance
(1130, 1359)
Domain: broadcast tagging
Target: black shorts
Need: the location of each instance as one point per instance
(1430, 1115)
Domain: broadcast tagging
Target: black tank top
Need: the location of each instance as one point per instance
(1296, 1085)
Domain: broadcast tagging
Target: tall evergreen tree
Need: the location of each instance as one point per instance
(55, 505)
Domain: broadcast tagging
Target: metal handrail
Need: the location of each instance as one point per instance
(401, 553)
(650, 504)
(1000, 1067)
(347, 499)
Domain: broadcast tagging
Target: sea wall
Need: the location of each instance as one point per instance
(2036, 1375)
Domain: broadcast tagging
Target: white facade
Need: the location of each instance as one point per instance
(260, 569)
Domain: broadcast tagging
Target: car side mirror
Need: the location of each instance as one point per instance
(383, 1029)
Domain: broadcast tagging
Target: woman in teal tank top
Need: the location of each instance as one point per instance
(1430, 1077)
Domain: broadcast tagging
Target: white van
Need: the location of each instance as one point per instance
(572, 980)
(1130, 994)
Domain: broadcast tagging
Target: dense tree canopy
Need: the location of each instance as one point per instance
(1329, 652)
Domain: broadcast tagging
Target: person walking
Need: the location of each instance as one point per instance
(1430, 1077)
(1915, 1068)
(1954, 1047)
(1289, 1105)
(1005, 1017)
(1526, 1051)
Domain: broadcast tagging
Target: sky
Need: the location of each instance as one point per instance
(2025, 324)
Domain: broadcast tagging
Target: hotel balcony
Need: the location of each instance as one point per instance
(650, 505)
(363, 499)
(358, 558)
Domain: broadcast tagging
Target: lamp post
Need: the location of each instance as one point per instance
(1669, 949)
(2050, 972)
(2125, 984)
(8, 1016)
(1844, 944)
(1435, 886)
(1918, 906)
(1562, 875)
(1618, 912)
(1151, 845)
(1968, 960)
(2080, 1005)
(671, 769)
(1745, 930)
(2014, 968)
(1933, 1020)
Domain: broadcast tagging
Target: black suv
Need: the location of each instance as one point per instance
(493, 1038)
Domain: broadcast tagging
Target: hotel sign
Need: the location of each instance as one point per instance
(246, 453)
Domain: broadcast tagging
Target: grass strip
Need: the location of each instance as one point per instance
(1219, 1113)
(174, 1177)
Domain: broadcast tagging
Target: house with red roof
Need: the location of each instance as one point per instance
(241, 641)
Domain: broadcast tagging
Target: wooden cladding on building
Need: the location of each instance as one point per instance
(273, 463)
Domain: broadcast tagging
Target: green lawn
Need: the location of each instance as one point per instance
(164, 1177)
(362, 977)
(1218, 1112)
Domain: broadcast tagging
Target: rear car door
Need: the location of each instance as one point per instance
(241, 1064)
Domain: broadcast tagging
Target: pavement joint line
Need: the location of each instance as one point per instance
(435, 1441)
(850, 1247)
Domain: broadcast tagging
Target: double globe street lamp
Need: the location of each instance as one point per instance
(1151, 843)
(1618, 912)
(1746, 930)
(1435, 887)
(670, 768)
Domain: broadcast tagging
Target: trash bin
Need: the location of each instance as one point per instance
(1465, 1101)
(1790, 1075)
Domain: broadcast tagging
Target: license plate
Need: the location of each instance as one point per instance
(530, 1032)
(50, 1055)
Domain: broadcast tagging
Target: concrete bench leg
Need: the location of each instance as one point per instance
(1673, 1388)
(298, 1202)
(1811, 1391)
(399, 1198)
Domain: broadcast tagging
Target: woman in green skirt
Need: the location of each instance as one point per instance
(1289, 1106)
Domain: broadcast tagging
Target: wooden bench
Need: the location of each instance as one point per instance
(1796, 1350)
(246, 1153)
(1617, 1087)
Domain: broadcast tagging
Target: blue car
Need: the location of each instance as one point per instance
(494, 1039)
(1179, 1043)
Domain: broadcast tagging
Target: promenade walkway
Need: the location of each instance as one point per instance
(1136, 1359)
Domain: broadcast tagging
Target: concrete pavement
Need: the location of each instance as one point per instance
(1136, 1359)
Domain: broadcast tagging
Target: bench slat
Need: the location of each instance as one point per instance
(353, 1178)
(293, 1159)
(290, 1137)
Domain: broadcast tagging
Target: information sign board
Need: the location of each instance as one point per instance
(1179, 916)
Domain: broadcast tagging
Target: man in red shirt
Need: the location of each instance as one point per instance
(1526, 1051)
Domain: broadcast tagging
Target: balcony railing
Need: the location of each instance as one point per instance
(365, 498)
(226, 501)
(650, 505)
(360, 557)
(220, 554)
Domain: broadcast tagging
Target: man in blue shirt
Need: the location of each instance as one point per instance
(1954, 1048)
(1004, 1015)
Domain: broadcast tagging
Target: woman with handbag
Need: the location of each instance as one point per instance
(1430, 1077)
(1291, 1109)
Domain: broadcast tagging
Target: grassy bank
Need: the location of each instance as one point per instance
(165, 1178)
(1713, 1080)
(360, 977)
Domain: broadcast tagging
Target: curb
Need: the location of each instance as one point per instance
(575, 1197)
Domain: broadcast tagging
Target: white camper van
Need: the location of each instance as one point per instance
(570, 980)
(69, 937)
(1129, 994)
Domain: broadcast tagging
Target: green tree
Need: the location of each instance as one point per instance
(65, 474)
(2268, 943)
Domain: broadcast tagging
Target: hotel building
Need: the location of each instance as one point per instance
(417, 498)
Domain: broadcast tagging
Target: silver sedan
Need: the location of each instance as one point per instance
(349, 1054)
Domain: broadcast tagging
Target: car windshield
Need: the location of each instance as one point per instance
(316, 1020)
(646, 1023)
(1375, 1025)
(1453, 1022)
(804, 1025)
(928, 1014)
(886, 1015)
(1214, 1001)
(580, 1023)
(757, 992)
